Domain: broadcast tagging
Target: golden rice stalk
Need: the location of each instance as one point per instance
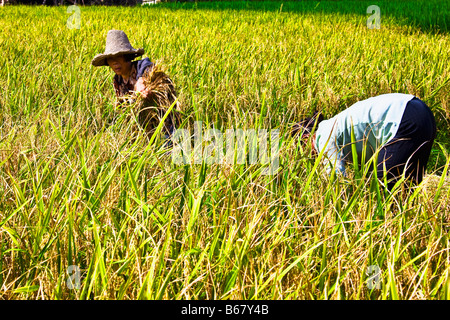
(161, 96)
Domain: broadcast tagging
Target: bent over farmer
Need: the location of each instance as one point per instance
(399, 126)
(129, 78)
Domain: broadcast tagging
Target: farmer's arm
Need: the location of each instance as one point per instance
(116, 86)
(141, 88)
(327, 140)
(333, 158)
(117, 103)
(143, 66)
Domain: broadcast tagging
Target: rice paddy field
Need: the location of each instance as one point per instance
(86, 196)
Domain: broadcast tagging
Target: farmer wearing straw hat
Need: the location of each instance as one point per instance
(141, 76)
(119, 55)
(399, 126)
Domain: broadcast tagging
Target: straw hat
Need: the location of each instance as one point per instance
(117, 44)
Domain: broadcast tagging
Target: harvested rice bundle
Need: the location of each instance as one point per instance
(161, 95)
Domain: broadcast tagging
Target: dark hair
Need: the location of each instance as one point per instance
(306, 125)
(129, 57)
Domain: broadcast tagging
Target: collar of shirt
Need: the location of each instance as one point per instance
(132, 78)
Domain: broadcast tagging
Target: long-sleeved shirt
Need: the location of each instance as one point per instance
(375, 121)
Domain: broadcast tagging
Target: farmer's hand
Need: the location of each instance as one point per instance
(140, 87)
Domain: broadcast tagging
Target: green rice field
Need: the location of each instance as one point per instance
(82, 188)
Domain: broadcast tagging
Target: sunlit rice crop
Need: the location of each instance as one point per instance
(81, 186)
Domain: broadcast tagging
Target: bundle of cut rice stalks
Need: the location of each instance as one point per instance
(151, 109)
(160, 98)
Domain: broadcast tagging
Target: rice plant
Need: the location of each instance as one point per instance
(81, 184)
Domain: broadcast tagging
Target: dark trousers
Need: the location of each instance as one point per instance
(411, 147)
